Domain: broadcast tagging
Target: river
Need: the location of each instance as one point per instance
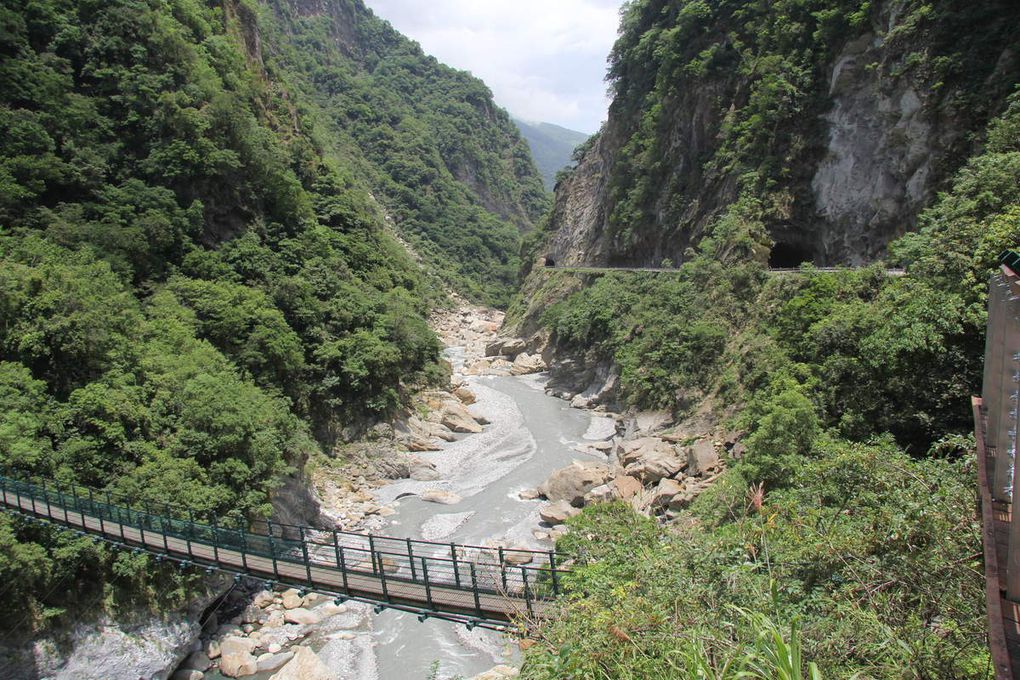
(530, 434)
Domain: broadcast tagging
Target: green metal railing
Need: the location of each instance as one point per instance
(404, 569)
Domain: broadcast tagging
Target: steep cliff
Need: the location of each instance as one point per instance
(447, 164)
(750, 133)
(835, 123)
(745, 135)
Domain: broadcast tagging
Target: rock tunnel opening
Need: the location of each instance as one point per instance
(549, 262)
(788, 256)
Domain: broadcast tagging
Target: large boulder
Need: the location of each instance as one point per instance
(626, 487)
(495, 348)
(571, 483)
(456, 417)
(518, 556)
(305, 665)
(264, 598)
(623, 487)
(652, 421)
(272, 661)
(236, 660)
(466, 396)
(292, 598)
(603, 493)
(527, 363)
(441, 497)
(439, 431)
(301, 616)
(197, 661)
(425, 472)
(512, 347)
(650, 459)
(557, 512)
(665, 491)
(703, 459)
(251, 614)
(420, 444)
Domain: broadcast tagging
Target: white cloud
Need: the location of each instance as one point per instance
(543, 59)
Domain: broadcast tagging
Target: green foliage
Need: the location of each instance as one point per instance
(193, 283)
(870, 559)
(450, 168)
(849, 521)
(785, 429)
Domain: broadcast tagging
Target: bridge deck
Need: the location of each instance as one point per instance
(473, 588)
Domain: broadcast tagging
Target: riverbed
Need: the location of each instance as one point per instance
(530, 434)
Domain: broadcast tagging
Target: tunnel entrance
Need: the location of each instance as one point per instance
(549, 262)
(788, 256)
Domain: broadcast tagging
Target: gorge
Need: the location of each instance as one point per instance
(271, 261)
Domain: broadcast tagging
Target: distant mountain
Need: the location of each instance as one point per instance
(551, 147)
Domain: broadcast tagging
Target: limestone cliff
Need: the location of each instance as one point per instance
(837, 121)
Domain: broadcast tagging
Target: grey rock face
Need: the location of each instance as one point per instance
(136, 645)
(877, 173)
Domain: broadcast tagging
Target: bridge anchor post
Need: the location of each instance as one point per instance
(474, 589)
(341, 563)
(304, 555)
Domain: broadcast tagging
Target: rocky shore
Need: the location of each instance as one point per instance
(656, 466)
(291, 635)
(644, 459)
(294, 635)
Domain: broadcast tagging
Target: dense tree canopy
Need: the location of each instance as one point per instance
(849, 519)
(197, 287)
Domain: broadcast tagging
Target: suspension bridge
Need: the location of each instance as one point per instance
(480, 586)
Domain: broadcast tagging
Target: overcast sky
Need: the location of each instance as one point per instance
(545, 60)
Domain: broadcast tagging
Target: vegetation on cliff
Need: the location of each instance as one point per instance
(197, 288)
(448, 165)
(851, 513)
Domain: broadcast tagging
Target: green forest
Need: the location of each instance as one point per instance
(199, 282)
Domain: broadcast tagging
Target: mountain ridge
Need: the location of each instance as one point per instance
(552, 146)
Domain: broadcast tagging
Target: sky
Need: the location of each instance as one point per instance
(544, 60)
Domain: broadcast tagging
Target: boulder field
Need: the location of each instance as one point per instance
(658, 470)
